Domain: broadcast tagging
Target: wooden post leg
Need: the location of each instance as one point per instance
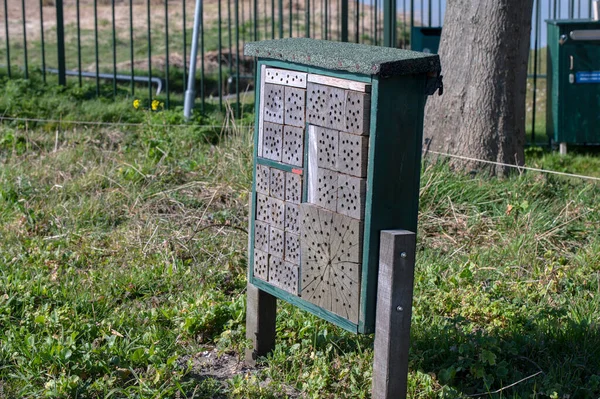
(261, 313)
(394, 310)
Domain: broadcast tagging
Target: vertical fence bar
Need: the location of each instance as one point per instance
(429, 13)
(374, 18)
(42, 38)
(25, 58)
(535, 68)
(280, 8)
(389, 23)
(326, 19)
(80, 80)
(131, 51)
(149, 28)
(114, 47)
(357, 21)
(572, 9)
(272, 19)
(237, 59)
(230, 39)
(255, 4)
(184, 17)
(220, 53)
(344, 20)
(6, 31)
(412, 20)
(291, 14)
(202, 73)
(167, 55)
(96, 48)
(60, 43)
(306, 19)
(555, 9)
(404, 26)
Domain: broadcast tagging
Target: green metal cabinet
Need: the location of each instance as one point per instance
(425, 39)
(337, 156)
(573, 101)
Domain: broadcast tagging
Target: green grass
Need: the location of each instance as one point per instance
(123, 258)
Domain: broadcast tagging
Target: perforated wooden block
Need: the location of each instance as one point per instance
(292, 218)
(335, 108)
(353, 154)
(277, 212)
(263, 208)
(274, 102)
(357, 113)
(261, 236)
(327, 147)
(272, 141)
(330, 261)
(263, 176)
(326, 189)
(293, 188)
(261, 265)
(292, 248)
(293, 146)
(316, 104)
(284, 275)
(351, 196)
(295, 107)
(285, 77)
(276, 242)
(277, 183)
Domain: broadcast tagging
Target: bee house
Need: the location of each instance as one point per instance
(337, 159)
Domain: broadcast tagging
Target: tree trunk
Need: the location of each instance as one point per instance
(484, 52)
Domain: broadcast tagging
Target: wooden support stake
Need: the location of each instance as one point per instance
(261, 313)
(394, 310)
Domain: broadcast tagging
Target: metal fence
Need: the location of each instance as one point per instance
(140, 48)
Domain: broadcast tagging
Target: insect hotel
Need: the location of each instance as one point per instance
(336, 161)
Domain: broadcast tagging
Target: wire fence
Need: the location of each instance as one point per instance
(140, 48)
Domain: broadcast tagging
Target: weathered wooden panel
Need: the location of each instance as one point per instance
(263, 176)
(272, 141)
(286, 77)
(292, 218)
(295, 107)
(357, 113)
(316, 105)
(263, 209)
(261, 236)
(293, 146)
(293, 187)
(292, 248)
(273, 103)
(277, 212)
(341, 83)
(327, 147)
(326, 189)
(353, 154)
(276, 242)
(284, 275)
(351, 196)
(330, 256)
(261, 265)
(277, 183)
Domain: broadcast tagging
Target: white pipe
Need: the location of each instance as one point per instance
(190, 93)
(596, 10)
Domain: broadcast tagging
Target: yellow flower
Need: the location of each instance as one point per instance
(136, 104)
(156, 104)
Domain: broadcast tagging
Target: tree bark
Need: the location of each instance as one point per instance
(484, 52)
